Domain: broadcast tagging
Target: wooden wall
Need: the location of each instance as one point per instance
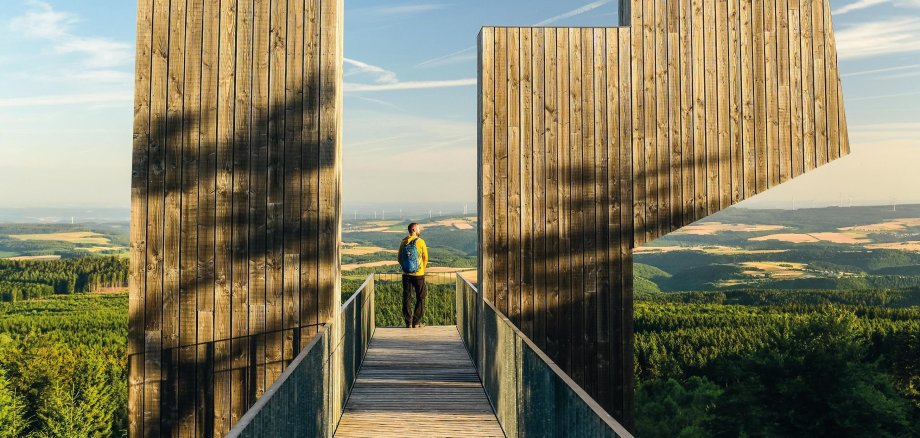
(596, 140)
(235, 198)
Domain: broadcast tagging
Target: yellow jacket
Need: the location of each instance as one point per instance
(422, 253)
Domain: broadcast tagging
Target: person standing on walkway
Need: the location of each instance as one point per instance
(413, 259)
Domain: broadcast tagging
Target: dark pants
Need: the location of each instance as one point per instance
(416, 282)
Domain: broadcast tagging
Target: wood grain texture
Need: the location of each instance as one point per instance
(237, 128)
(697, 106)
(417, 382)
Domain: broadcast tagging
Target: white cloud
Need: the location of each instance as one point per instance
(900, 35)
(406, 9)
(379, 74)
(574, 12)
(43, 22)
(386, 80)
(410, 85)
(469, 53)
(64, 99)
(857, 5)
(880, 70)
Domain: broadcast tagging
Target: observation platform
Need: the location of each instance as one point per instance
(418, 381)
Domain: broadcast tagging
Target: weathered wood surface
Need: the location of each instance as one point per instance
(236, 187)
(626, 134)
(417, 382)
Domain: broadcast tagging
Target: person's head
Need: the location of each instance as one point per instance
(415, 229)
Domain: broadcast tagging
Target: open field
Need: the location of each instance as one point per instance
(710, 228)
(774, 269)
(912, 245)
(86, 237)
(848, 237)
(35, 258)
(353, 266)
(889, 225)
(357, 250)
(709, 249)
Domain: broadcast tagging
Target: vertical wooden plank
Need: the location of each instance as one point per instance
(808, 85)
(698, 73)
(711, 71)
(771, 96)
(662, 100)
(239, 285)
(139, 201)
(500, 248)
(749, 152)
(734, 101)
(526, 200)
(782, 68)
(274, 261)
(309, 242)
(723, 109)
(188, 318)
(539, 235)
(820, 91)
(638, 111)
(688, 157)
(207, 171)
(622, 348)
(553, 233)
(513, 245)
(223, 200)
(258, 180)
(293, 178)
(153, 346)
(675, 149)
(588, 206)
(565, 166)
(597, 314)
(329, 159)
(652, 171)
(607, 306)
(175, 93)
(795, 89)
(834, 99)
(487, 124)
(576, 186)
(760, 98)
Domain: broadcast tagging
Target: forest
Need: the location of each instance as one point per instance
(22, 279)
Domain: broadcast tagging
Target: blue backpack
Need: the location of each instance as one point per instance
(408, 257)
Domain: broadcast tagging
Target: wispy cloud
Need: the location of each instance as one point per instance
(883, 96)
(379, 74)
(881, 70)
(386, 80)
(65, 99)
(574, 12)
(43, 22)
(410, 85)
(900, 35)
(469, 53)
(857, 5)
(406, 9)
(459, 56)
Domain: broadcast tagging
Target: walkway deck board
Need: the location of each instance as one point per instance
(418, 382)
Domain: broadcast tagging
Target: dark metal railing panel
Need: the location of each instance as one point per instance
(531, 396)
(309, 397)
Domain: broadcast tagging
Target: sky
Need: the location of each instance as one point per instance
(66, 89)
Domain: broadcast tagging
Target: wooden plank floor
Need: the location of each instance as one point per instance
(418, 382)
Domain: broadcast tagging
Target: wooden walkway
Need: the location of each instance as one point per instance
(418, 382)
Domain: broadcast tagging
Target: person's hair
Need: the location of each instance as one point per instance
(412, 226)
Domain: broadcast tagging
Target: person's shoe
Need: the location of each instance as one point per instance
(410, 325)
(419, 325)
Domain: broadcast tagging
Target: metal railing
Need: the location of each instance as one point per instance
(309, 397)
(531, 396)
